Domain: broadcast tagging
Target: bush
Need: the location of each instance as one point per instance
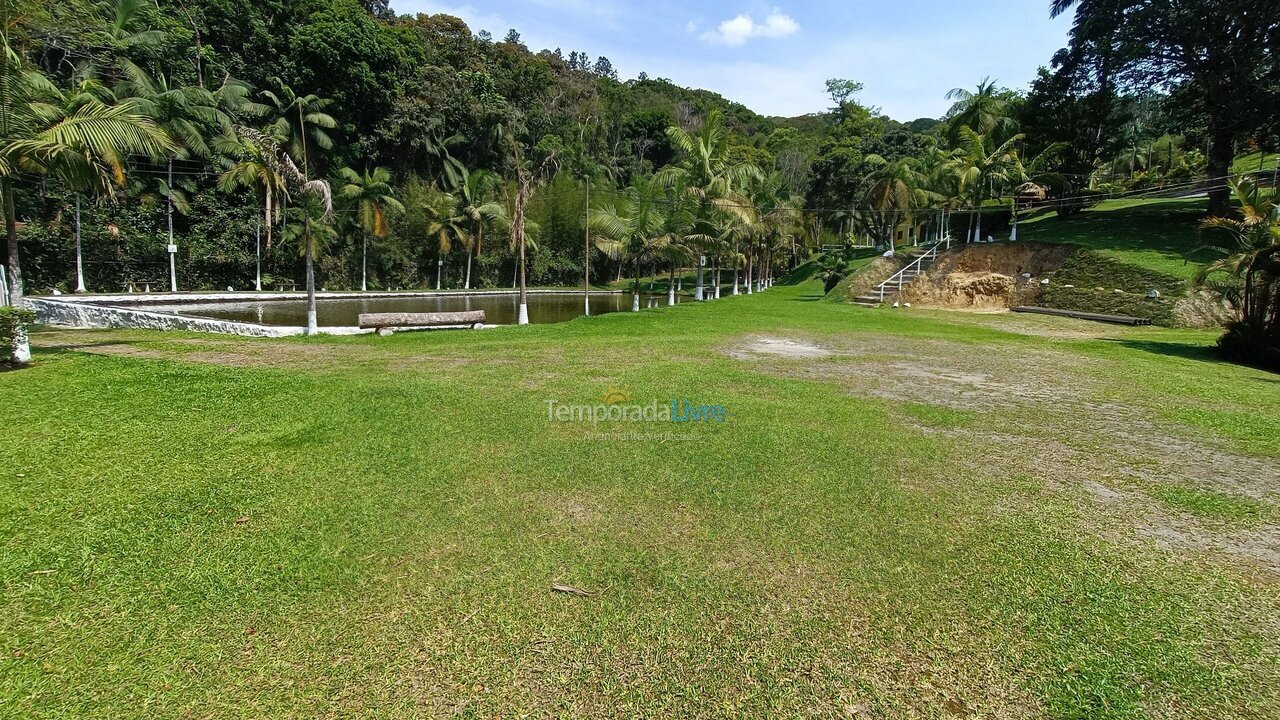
(13, 326)
(1249, 346)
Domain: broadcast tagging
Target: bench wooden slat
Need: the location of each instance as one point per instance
(395, 320)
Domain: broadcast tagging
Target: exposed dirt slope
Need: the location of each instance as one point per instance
(987, 276)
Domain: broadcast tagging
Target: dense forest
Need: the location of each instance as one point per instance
(441, 152)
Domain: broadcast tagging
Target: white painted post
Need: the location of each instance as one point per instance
(79, 255)
(257, 250)
(173, 248)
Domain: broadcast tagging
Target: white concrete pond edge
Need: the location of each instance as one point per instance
(100, 311)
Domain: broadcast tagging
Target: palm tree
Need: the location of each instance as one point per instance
(776, 215)
(983, 172)
(446, 225)
(87, 87)
(985, 111)
(452, 173)
(1248, 273)
(318, 212)
(121, 29)
(636, 230)
(82, 141)
(298, 122)
(471, 196)
(254, 169)
(897, 188)
(185, 113)
(370, 195)
(526, 176)
(708, 174)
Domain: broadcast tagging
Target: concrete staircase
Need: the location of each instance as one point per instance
(889, 288)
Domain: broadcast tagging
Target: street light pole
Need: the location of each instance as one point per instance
(173, 248)
(586, 271)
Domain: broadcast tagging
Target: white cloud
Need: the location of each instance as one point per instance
(737, 31)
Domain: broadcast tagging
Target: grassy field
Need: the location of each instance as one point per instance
(1159, 235)
(905, 515)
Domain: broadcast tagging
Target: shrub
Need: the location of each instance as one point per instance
(13, 325)
(1249, 346)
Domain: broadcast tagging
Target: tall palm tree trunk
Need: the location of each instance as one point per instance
(635, 289)
(671, 287)
(79, 252)
(523, 318)
(11, 230)
(749, 269)
(466, 285)
(266, 218)
(21, 345)
(364, 263)
(312, 325)
(701, 293)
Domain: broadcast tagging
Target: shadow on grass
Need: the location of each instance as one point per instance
(1199, 353)
(1179, 350)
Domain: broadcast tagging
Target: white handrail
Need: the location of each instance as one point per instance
(900, 278)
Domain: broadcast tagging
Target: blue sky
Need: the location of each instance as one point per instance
(775, 57)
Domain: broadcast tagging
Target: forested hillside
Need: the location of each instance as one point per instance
(416, 124)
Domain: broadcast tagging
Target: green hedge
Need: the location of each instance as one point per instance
(13, 323)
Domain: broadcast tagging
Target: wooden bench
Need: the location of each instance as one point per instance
(387, 323)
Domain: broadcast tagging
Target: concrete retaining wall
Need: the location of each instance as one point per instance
(82, 315)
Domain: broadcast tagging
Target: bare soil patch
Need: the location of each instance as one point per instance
(1041, 416)
(986, 276)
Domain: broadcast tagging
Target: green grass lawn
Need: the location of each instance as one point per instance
(1160, 235)
(1255, 161)
(906, 514)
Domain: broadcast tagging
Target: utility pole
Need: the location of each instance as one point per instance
(586, 266)
(173, 248)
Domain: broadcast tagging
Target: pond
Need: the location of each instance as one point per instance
(500, 309)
